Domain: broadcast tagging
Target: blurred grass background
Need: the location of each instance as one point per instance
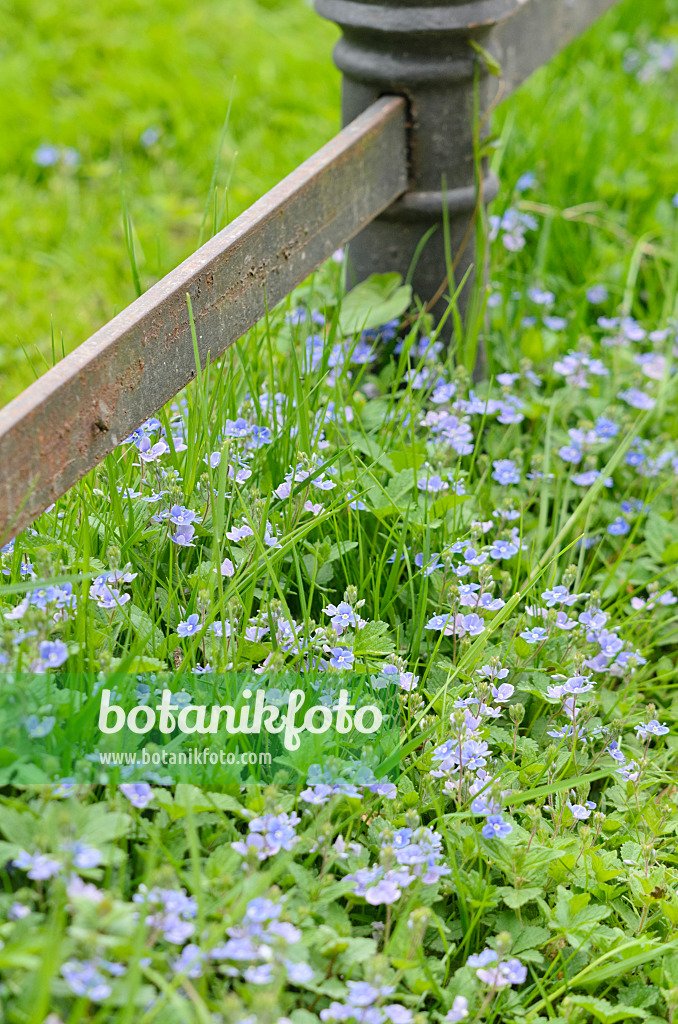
(119, 105)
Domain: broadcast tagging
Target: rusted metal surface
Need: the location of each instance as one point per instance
(81, 409)
(535, 30)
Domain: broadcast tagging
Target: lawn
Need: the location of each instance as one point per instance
(338, 510)
(130, 100)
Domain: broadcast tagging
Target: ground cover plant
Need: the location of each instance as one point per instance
(500, 555)
(339, 497)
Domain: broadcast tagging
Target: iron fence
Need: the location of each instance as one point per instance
(404, 159)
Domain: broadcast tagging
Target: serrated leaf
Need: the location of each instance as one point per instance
(630, 851)
(106, 826)
(400, 486)
(372, 639)
(605, 1011)
(359, 952)
(143, 625)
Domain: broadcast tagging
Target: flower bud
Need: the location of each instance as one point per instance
(412, 819)
(517, 713)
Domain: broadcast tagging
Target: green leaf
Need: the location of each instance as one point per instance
(409, 456)
(373, 302)
(670, 553)
(144, 663)
(359, 952)
(659, 535)
(339, 550)
(574, 918)
(372, 639)
(516, 898)
(104, 826)
(303, 1017)
(604, 1011)
(492, 65)
(529, 938)
(369, 447)
(144, 626)
(400, 486)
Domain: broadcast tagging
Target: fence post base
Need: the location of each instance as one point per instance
(421, 52)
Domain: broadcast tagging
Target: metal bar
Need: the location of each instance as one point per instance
(535, 30)
(81, 409)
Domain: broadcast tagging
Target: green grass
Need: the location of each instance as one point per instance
(598, 138)
(94, 76)
(586, 908)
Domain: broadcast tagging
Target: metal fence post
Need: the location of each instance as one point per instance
(419, 49)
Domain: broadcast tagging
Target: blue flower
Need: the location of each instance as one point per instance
(433, 484)
(555, 323)
(605, 428)
(189, 962)
(84, 856)
(580, 812)
(84, 979)
(46, 155)
(53, 653)
(342, 657)
(17, 911)
(589, 478)
(473, 624)
(527, 180)
(458, 1012)
(342, 616)
(38, 728)
(636, 398)
(496, 827)
(505, 472)
(150, 136)
(503, 549)
(190, 627)
(509, 972)
(488, 956)
(597, 294)
(619, 527)
(541, 297)
(534, 636)
(259, 910)
(651, 728)
(385, 891)
(314, 351)
(571, 453)
(181, 516)
(184, 536)
(139, 794)
(38, 867)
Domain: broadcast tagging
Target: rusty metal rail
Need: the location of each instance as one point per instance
(533, 31)
(81, 409)
(403, 161)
